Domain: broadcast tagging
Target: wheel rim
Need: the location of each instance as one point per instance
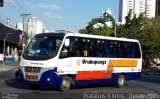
(121, 80)
(66, 84)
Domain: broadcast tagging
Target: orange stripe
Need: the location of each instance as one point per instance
(109, 71)
(110, 68)
(90, 75)
(125, 63)
(87, 75)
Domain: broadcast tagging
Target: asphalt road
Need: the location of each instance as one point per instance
(146, 87)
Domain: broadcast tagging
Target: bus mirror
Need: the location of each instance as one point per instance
(66, 42)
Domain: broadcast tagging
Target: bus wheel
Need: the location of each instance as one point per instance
(17, 75)
(66, 84)
(35, 86)
(121, 80)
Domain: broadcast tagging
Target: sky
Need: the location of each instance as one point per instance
(58, 14)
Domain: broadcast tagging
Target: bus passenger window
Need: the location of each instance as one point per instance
(77, 52)
(112, 49)
(119, 50)
(137, 48)
(91, 50)
(106, 49)
(85, 53)
(124, 50)
(131, 50)
(68, 50)
(77, 48)
(98, 49)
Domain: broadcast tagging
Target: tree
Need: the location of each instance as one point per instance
(145, 30)
(25, 38)
(102, 30)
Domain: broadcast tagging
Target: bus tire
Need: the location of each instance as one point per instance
(120, 81)
(17, 75)
(66, 83)
(35, 86)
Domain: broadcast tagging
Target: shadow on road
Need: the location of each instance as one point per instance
(93, 86)
(153, 77)
(21, 85)
(16, 84)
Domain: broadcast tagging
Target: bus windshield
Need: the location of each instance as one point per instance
(42, 47)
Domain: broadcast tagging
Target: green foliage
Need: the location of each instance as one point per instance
(25, 38)
(145, 30)
(102, 30)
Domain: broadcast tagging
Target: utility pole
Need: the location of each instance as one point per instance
(115, 32)
(24, 16)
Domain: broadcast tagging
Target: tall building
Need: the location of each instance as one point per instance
(137, 6)
(34, 26)
(157, 7)
(19, 26)
(105, 16)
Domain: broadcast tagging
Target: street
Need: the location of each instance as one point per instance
(148, 84)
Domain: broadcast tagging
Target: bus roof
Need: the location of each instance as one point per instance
(87, 35)
(101, 37)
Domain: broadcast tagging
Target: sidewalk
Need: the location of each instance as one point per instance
(9, 66)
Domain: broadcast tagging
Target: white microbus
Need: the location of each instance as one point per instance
(70, 59)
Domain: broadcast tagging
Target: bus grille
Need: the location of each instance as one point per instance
(33, 69)
(32, 73)
(32, 77)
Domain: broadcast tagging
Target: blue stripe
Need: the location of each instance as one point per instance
(56, 80)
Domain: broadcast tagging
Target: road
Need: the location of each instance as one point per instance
(148, 85)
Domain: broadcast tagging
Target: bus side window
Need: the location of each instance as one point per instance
(137, 49)
(98, 50)
(127, 50)
(91, 50)
(131, 48)
(77, 47)
(102, 48)
(112, 49)
(124, 50)
(119, 50)
(71, 48)
(107, 49)
(83, 47)
(68, 51)
(64, 52)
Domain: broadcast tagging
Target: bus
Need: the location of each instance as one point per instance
(65, 60)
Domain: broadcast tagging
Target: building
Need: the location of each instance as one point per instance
(157, 8)
(105, 16)
(19, 26)
(9, 43)
(34, 26)
(147, 7)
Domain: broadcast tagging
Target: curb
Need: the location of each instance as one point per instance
(3, 69)
(6, 69)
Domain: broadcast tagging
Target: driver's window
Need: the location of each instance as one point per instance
(68, 48)
(64, 52)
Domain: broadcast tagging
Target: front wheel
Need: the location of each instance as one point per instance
(121, 80)
(66, 84)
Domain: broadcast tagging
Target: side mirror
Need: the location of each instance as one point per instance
(67, 42)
